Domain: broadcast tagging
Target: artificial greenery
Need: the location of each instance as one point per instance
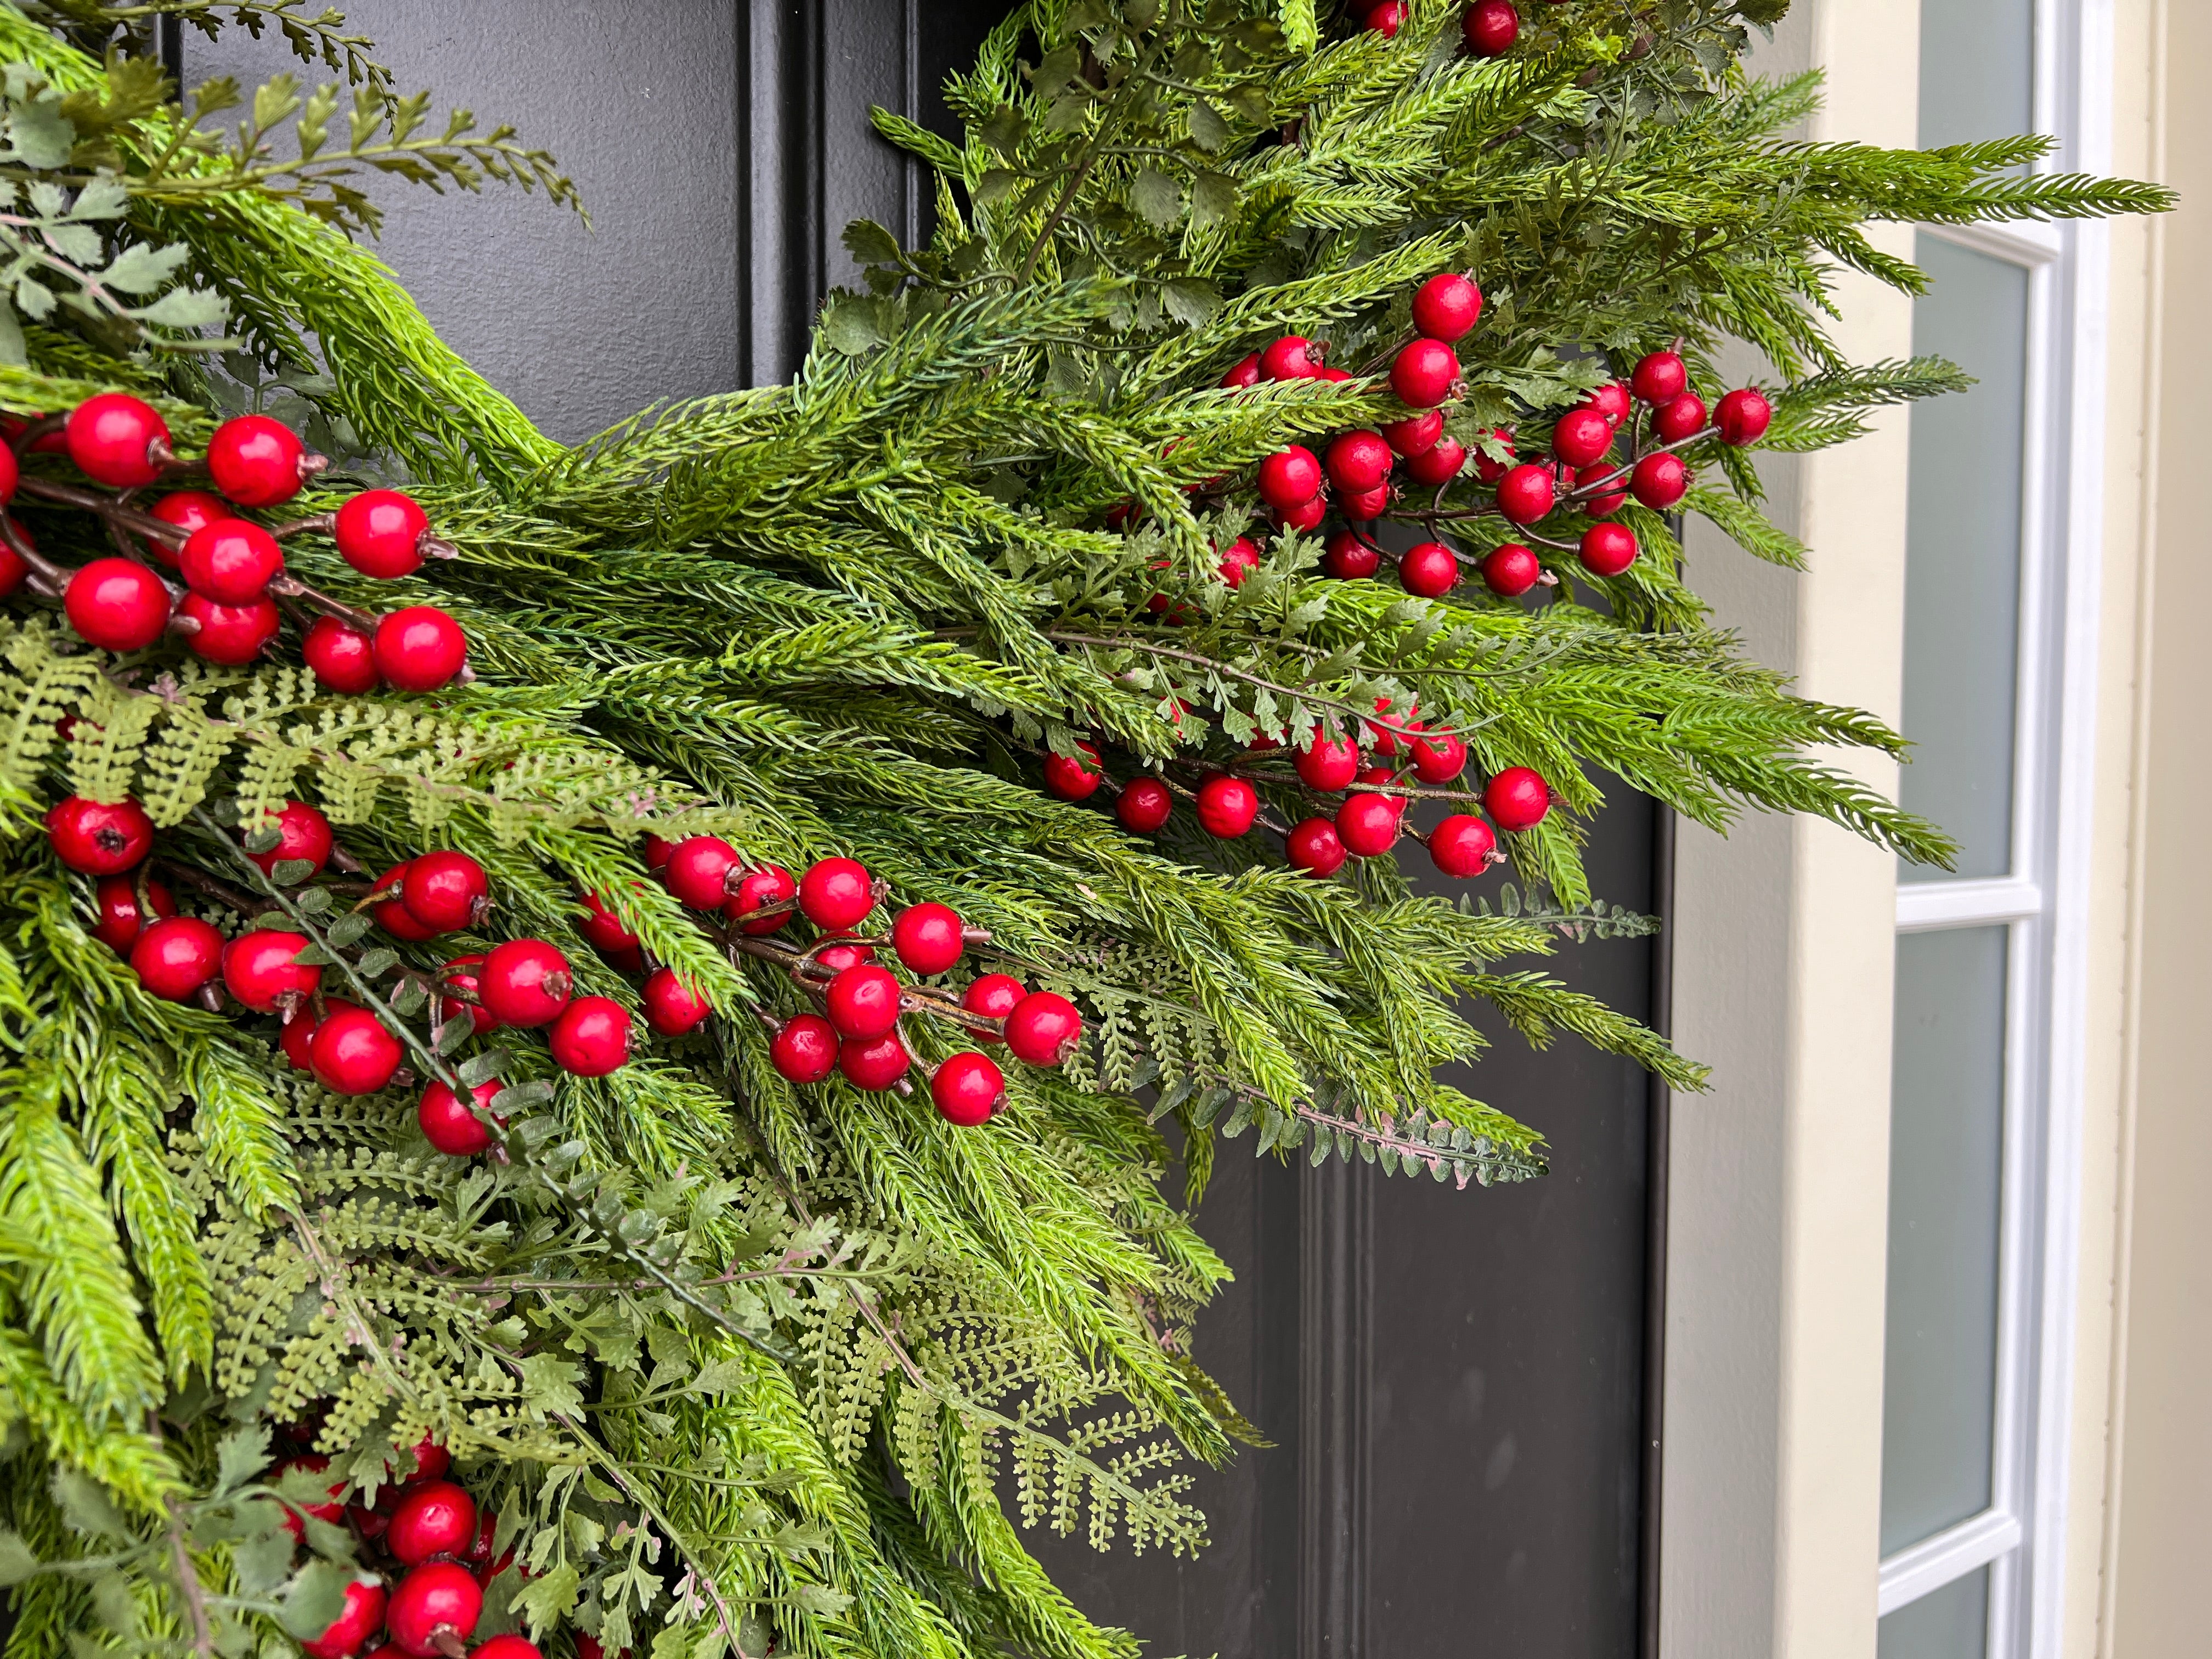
(732, 1362)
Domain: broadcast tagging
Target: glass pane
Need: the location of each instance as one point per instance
(1976, 61)
(1962, 557)
(1946, 1144)
(1951, 1623)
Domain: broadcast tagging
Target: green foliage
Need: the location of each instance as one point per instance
(732, 1362)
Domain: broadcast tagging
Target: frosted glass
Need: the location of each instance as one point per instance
(1946, 1147)
(1962, 557)
(1976, 60)
(1951, 1623)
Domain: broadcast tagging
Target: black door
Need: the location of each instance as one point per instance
(1455, 1381)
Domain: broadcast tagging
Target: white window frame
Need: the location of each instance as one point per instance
(2044, 901)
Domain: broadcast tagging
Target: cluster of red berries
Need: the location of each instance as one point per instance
(1491, 26)
(423, 1532)
(857, 1034)
(227, 562)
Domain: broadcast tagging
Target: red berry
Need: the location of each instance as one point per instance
(1517, 798)
(1660, 378)
(873, 1063)
(1330, 373)
(1428, 570)
(1581, 435)
(1293, 357)
(1365, 506)
(603, 930)
(1525, 494)
(435, 1597)
(1387, 19)
(1358, 461)
(99, 839)
(1660, 480)
(1416, 432)
(511, 1646)
(14, 572)
(1368, 824)
(313, 1463)
(1226, 806)
(849, 952)
(1145, 804)
(189, 510)
(1461, 845)
(395, 918)
(1328, 763)
(1446, 307)
(1607, 548)
(1305, 517)
(756, 889)
(671, 1007)
(836, 894)
(299, 1033)
(434, 1518)
(1043, 1028)
(431, 1461)
(928, 937)
(1743, 417)
(122, 918)
(1490, 27)
(863, 1001)
(352, 1053)
(256, 461)
(1488, 470)
(10, 474)
(1510, 570)
(525, 982)
(420, 649)
(591, 1037)
(967, 1089)
(259, 969)
(804, 1049)
(379, 532)
(1683, 418)
(452, 1128)
(1608, 500)
(231, 635)
(175, 956)
(1238, 557)
(302, 833)
(1247, 372)
(1439, 463)
(1386, 736)
(446, 891)
(1073, 777)
(1438, 757)
(1290, 478)
(1423, 372)
(341, 656)
(1374, 777)
(118, 605)
(360, 1618)
(993, 996)
(1315, 847)
(1348, 558)
(113, 438)
(698, 871)
(1610, 400)
(657, 852)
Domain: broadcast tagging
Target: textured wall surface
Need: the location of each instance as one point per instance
(639, 100)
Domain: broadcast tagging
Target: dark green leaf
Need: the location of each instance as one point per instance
(1207, 127)
(869, 244)
(1157, 197)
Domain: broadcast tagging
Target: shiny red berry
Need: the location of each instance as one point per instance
(836, 894)
(671, 1007)
(1365, 506)
(1073, 777)
(100, 838)
(1144, 806)
(756, 889)
(361, 1617)
(603, 930)
(1044, 1029)
(1490, 27)
(525, 982)
(1247, 372)
(396, 920)
(1488, 470)
(299, 1033)
(303, 834)
(1238, 559)
(14, 571)
(1660, 480)
(1226, 806)
(118, 605)
(1428, 570)
(122, 918)
(928, 937)
(1303, 518)
(433, 1518)
(511, 1646)
(1606, 550)
(1348, 558)
(1683, 418)
(863, 1001)
(804, 1049)
(1510, 570)
(1358, 460)
(445, 890)
(352, 1053)
(1446, 307)
(1328, 763)
(1438, 465)
(1416, 432)
(1609, 500)
(1438, 757)
(698, 871)
(848, 951)
(379, 532)
(591, 1037)
(1517, 798)
(1423, 372)
(1315, 847)
(189, 510)
(1290, 478)
(450, 1127)
(993, 996)
(420, 649)
(256, 461)
(1387, 19)
(1368, 824)
(1525, 495)
(1743, 416)
(1461, 845)
(967, 1089)
(342, 656)
(175, 956)
(436, 1597)
(259, 970)
(431, 1459)
(118, 440)
(1610, 400)
(231, 635)
(873, 1063)
(1582, 436)
(1293, 357)
(1660, 378)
